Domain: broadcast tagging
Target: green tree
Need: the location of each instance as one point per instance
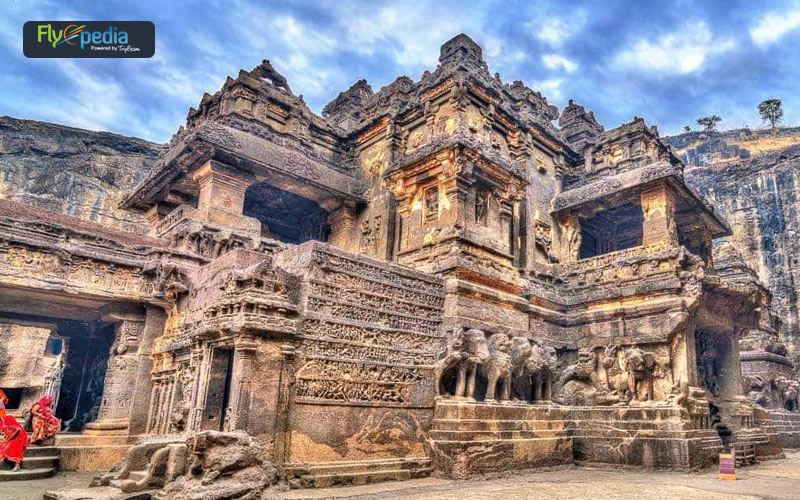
(771, 111)
(687, 129)
(709, 123)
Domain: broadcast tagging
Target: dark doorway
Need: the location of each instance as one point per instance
(14, 395)
(286, 216)
(611, 230)
(219, 388)
(84, 372)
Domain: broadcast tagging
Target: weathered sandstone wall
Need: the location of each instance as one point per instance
(73, 171)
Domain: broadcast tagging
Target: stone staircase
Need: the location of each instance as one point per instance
(473, 438)
(327, 474)
(40, 462)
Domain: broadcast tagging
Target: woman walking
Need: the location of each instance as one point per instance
(15, 442)
(45, 425)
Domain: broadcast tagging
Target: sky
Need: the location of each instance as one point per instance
(669, 61)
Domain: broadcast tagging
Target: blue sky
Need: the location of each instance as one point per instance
(668, 61)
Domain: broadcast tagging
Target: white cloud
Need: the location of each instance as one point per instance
(682, 51)
(554, 30)
(555, 61)
(773, 26)
(550, 88)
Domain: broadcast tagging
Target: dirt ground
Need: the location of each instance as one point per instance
(772, 479)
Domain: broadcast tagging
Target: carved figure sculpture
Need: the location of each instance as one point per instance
(758, 389)
(498, 368)
(474, 352)
(573, 238)
(616, 379)
(542, 367)
(577, 383)
(163, 461)
(266, 72)
(520, 380)
(640, 365)
(788, 392)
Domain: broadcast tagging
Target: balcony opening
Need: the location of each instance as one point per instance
(612, 230)
(286, 216)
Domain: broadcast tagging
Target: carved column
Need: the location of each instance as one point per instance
(119, 384)
(658, 209)
(220, 187)
(221, 197)
(244, 350)
(282, 434)
(342, 221)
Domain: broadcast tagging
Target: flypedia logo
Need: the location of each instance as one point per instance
(88, 39)
(71, 33)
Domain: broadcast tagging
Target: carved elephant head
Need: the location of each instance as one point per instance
(640, 363)
(476, 345)
(520, 353)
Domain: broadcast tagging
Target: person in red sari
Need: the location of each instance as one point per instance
(15, 442)
(3, 403)
(45, 425)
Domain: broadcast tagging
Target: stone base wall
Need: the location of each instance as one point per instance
(368, 340)
(467, 438)
(787, 425)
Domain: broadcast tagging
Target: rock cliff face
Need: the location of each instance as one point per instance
(73, 171)
(753, 178)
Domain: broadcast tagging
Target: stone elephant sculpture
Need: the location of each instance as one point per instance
(639, 365)
(451, 357)
(532, 369)
(466, 351)
(498, 368)
(542, 365)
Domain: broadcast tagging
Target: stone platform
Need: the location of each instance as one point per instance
(788, 426)
(475, 438)
(90, 453)
(647, 436)
(468, 438)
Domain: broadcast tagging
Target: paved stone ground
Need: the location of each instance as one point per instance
(773, 479)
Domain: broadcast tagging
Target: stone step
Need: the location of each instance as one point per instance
(325, 474)
(43, 451)
(360, 478)
(26, 474)
(79, 439)
(360, 466)
(33, 463)
(456, 435)
(495, 425)
(43, 462)
(467, 410)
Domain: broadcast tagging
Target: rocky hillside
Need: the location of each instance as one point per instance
(73, 171)
(753, 177)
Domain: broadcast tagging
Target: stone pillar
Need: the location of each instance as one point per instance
(155, 320)
(221, 187)
(116, 404)
(658, 209)
(281, 447)
(244, 350)
(221, 197)
(342, 221)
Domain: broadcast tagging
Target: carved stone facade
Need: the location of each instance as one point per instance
(486, 292)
